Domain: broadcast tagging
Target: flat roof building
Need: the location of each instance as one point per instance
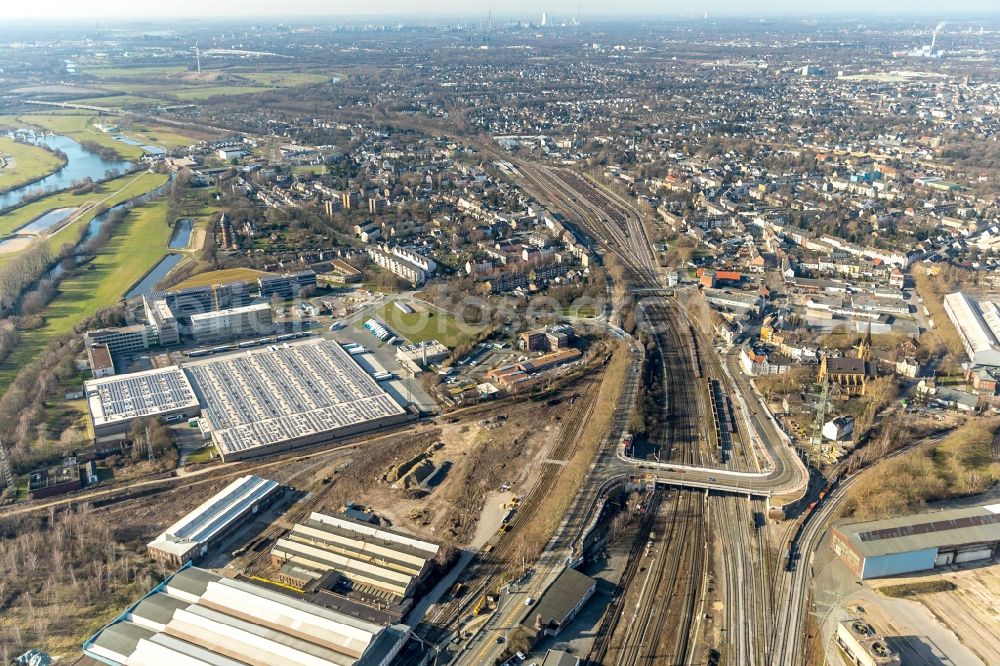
(231, 323)
(268, 400)
(101, 364)
(183, 303)
(114, 402)
(374, 560)
(120, 340)
(197, 617)
(286, 286)
(422, 354)
(864, 646)
(193, 535)
(978, 324)
(162, 320)
(919, 542)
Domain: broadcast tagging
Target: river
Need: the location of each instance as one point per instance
(80, 164)
(145, 286)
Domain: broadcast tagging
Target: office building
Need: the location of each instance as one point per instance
(161, 320)
(120, 340)
(244, 321)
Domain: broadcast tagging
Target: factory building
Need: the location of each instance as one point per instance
(195, 534)
(552, 360)
(232, 323)
(197, 617)
(417, 356)
(978, 325)
(864, 646)
(114, 402)
(373, 560)
(270, 400)
(919, 542)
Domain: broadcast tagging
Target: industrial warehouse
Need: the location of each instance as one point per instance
(197, 617)
(193, 535)
(375, 561)
(978, 324)
(919, 542)
(269, 400)
(114, 402)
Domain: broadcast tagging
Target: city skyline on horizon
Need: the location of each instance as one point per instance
(556, 10)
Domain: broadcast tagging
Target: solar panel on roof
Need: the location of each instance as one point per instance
(924, 528)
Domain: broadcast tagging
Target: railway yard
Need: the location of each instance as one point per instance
(698, 548)
(590, 341)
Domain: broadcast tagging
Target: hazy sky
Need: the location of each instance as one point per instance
(56, 9)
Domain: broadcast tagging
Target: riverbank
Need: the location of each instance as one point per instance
(105, 195)
(138, 245)
(31, 164)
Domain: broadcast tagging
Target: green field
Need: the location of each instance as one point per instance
(316, 169)
(425, 323)
(285, 79)
(140, 242)
(80, 127)
(106, 72)
(121, 101)
(221, 277)
(112, 192)
(29, 164)
(213, 91)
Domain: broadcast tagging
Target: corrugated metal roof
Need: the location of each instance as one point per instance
(202, 618)
(559, 600)
(938, 529)
(215, 515)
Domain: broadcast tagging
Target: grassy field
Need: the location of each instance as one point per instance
(112, 192)
(316, 169)
(285, 79)
(132, 72)
(220, 277)
(29, 164)
(426, 323)
(194, 93)
(80, 127)
(957, 466)
(139, 244)
(121, 101)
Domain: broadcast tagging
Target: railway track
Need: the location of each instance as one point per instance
(664, 579)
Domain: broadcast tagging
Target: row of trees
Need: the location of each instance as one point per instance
(22, 272)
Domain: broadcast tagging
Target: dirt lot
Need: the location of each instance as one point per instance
(484, 453)
(972, 611)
